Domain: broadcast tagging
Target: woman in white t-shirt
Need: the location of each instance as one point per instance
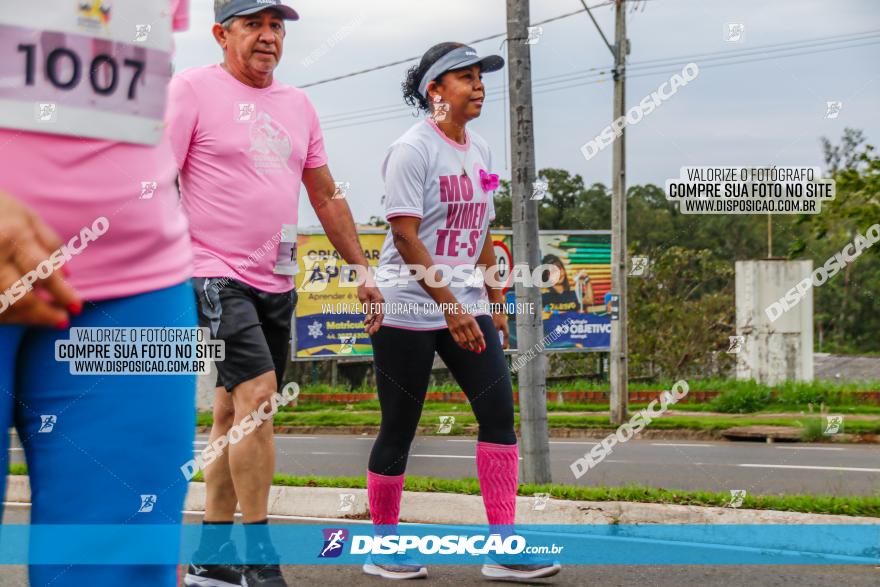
(438, 200)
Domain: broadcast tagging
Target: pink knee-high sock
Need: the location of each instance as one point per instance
(383, 493)
(497, 470)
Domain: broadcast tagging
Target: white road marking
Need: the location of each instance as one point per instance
(304, 518)
(810, 468)
(810, 448)
(572, 442)
(446, 456)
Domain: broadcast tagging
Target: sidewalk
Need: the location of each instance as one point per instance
(450, 508)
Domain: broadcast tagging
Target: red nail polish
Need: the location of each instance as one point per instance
(75, 309)
(63, 325)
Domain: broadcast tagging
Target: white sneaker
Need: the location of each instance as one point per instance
(394, 567)
(536, 569)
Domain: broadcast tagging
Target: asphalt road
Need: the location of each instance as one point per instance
(759, 468)
(711, 466)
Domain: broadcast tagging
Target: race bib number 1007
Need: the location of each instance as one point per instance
(96, 69)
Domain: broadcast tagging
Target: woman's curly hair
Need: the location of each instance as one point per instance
(410, 85)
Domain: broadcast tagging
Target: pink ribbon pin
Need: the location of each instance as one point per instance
(489, 181)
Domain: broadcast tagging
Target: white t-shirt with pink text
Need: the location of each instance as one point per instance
(430, 176)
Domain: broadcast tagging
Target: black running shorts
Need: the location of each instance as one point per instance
(254, 324)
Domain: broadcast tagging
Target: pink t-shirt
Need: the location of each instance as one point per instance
(70, 182)
(241, 152)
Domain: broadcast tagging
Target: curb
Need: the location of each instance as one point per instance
(450, 508)
(591, 433)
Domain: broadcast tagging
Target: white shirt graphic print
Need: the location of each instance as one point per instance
(270, 144)
(429, 176)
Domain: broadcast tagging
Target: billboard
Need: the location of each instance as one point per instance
(575, 303)
(327, 323)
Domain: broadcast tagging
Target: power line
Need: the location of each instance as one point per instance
(607, 78)
(813, 41)
(639, 66)
(408, 59)
(713, 65)
(601, 77)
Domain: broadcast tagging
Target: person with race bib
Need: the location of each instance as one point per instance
(92, 235)
(438, 200)
(244, 144)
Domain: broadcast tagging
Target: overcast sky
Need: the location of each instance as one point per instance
(764, 110)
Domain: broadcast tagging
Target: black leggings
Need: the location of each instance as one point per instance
(403, 360)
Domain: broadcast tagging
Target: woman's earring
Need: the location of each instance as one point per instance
(439, 109)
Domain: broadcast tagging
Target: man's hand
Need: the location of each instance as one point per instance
(335, 216)
(25, 242)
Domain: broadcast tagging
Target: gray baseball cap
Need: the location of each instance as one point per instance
(224, 10)
(459, 58)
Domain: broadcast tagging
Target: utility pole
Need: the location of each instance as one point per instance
(529, 326)
(618, 371)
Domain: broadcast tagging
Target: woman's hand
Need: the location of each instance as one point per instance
(499, 319)
(464, 329)
(25, 242)
(372, 300)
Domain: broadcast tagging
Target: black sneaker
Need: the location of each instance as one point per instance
(265, 573)
(263, 576)
(207, 575)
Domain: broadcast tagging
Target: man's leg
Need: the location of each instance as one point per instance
(252, 458)
(220, 500)
(227, 308)
(220, 496)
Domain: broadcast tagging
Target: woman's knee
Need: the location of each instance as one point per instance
(497, 434)
(389, 454)
(496, 425)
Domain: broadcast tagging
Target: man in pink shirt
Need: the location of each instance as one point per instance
(243, 143)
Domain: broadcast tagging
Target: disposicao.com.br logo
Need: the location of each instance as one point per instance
(478, 544)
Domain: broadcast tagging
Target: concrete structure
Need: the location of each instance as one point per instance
(774, 351)
(205, 390)
(846, 367)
